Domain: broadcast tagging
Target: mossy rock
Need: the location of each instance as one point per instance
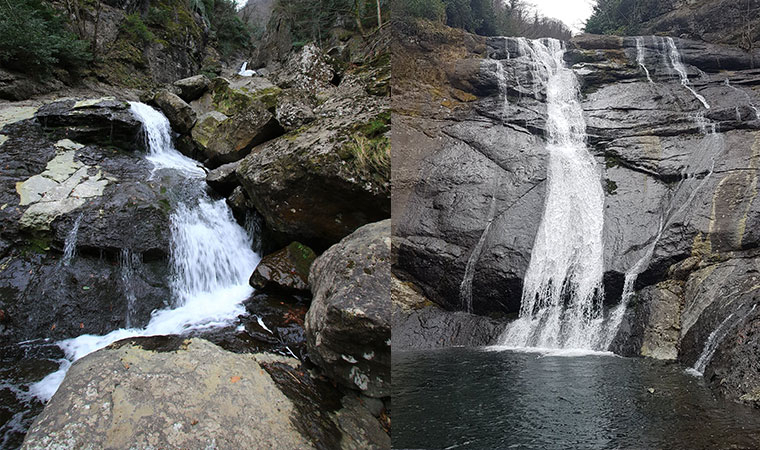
(287, 269)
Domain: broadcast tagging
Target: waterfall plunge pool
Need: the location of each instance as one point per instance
(464, 398)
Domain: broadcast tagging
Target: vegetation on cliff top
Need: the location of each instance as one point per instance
(34, 39)
(484, 17)
(624, 17)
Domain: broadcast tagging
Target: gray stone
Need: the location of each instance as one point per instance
(181, 116)
(223, 179)
(169, 392)
(348, 326)
(192, 88)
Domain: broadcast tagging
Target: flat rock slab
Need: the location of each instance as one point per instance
(185, 394)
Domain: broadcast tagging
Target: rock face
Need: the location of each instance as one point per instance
(680, 181)
(223, 178)
(97, 199)
(420, 325)
(189, 394)
(286, 269)
(348, 326)
(104, 121)
(206, 127)
(181, 116)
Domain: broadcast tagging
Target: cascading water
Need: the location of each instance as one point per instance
(211, 257)
(640, 57)
(465, 287)
(70, 244)
(128, 262)
(714, 340)
(562, 293)
(675, 62)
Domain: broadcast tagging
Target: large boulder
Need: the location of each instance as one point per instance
(233, 97)
(104, 121)
(348, 326)
(320, 182)
(192, 88)
(70, 212)
(205, 128)
(234, 138)
(181, 116)
(286, 269)
(167, 392)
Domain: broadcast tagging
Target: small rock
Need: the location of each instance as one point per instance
(286, 269)
(223, 178)
(193, 87)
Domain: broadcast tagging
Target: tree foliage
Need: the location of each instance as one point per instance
(624, 17)
(310, 20)
(34, 38)
(484, 17)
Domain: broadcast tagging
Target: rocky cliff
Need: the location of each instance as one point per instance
(677, 147)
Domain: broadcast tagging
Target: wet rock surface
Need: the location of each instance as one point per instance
(348, 326)
(180, 115)
(286, 269)
(420, 325)
(104, 121)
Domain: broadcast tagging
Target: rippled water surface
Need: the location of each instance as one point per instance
(485, 399)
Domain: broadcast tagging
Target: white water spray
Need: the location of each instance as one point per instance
(713, 341)
(675, 61)
(243, 72)
(640, 57)
(727, 82)
(562, 293)
(211, 260)
(70, 244)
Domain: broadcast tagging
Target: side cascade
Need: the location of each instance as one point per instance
(211, 257)
(563, 292)
(641, 57)
(677, 65)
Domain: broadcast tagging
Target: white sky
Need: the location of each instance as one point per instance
(573, 12)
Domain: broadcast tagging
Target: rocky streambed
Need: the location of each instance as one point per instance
(95, 245)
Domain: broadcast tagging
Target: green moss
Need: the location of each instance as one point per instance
(136, 28)
(610, 187)
(611, 160)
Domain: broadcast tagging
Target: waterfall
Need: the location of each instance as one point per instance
(211, 257)
(727, 82)
(640, 55)
(675, 62)
(128, 262)
(70, 244)
(465, 287)
(713, 341)
(243, 72)
(562, 292)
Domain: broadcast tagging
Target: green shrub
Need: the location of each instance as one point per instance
(136, 28)
(624, 17)
(157, 17)
(425, 9)
(34, 39)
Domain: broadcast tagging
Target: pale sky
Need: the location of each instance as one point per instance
(573, 12)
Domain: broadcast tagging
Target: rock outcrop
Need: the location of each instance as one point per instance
(348, 326)
(192, 394)
(418, 324)
(95, 198)
(105, 121)
(318, 183)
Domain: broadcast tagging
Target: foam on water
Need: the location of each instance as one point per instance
(211, 259)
